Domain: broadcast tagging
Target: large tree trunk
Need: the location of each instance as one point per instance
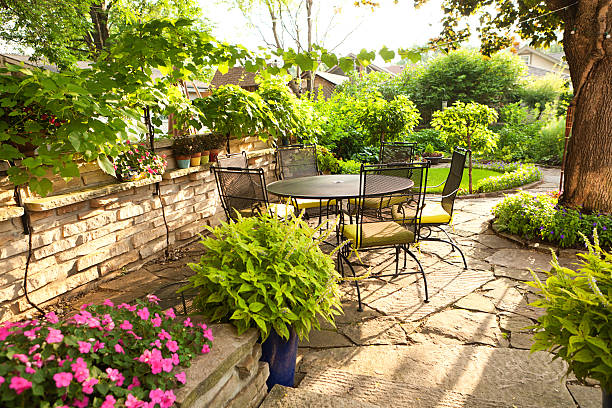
(97, 37)
(588, 167)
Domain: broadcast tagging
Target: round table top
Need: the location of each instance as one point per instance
(337, 186)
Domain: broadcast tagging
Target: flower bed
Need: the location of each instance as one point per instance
(539, 216)
(523, 174)
(105, 356)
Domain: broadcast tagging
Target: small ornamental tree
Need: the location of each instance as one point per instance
(389, 119)
(233, 111)
(466, 125)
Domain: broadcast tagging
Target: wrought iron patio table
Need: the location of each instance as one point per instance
(337, 186)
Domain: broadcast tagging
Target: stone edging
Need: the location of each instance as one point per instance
(538, 246)
(501, 192)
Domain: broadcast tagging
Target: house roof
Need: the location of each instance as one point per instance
(235, 75)
(555, 58)
(26, 60)
(395, 69)
(333, 78)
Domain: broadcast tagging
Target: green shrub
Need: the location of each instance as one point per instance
(527, 173)
(548, 148)
(538, 216)
(576, 326)
(349, 167)
(537, 92)
(267, 273)
(369, 154)
(326, 160)
(426, 137)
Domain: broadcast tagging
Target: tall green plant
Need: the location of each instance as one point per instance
(576, 326)
(389, 120)
(268, 273)
(466, 124)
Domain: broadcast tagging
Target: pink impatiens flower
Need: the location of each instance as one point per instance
(81, 403)
(172, 345)
(175, 359)
(167, 399)
(1, 380)
(88, 385)
(54, 336)
(143, 313)
(21, 357)
(156, 395)
(109, 402)
(119, 349)
(62, 379)
(115, 375)
(170, 313)
(205, 349)
(84, 347)
(126, 325)
(135, 383)
(52, 318)
(98, 346)
(108, 302)
(20, 384)
(181, 377)
(80, 370)
(153, 299)
(187, 323)
(133, 402)
(157, 321)
(164, 335)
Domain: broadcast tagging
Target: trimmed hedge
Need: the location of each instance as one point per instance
(524, 174)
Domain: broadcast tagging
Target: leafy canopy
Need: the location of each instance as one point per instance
(466, 125)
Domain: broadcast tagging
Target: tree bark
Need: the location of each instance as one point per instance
(588, 167)
(309, 77)
(96, 40)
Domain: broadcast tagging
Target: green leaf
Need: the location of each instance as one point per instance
(105, 165)
(256, 307)
(387, 54)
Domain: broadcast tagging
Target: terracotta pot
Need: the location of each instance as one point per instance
(205, 157)
(213, 155)
(195, 161)
(183, 161)
(198, 154)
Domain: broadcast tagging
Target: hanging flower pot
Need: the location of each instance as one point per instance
(196, 158)
(280, 355)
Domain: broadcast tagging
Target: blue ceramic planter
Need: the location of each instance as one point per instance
(183, 164)
(280, 356)
(606, 399)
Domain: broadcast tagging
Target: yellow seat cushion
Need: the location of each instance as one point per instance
(379, 202)
(281, 210)
(433, 213)
(374, 234)
(303, 203)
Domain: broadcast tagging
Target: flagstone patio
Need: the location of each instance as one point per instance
(467, 347)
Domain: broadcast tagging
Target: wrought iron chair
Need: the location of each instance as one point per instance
(300, 161)
(238, 160)
(376, 229)
(243, 191)
(437, 214)
(397, 152)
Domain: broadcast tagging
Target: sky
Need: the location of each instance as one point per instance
(352, 28)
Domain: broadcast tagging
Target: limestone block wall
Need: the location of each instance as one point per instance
(84, 237)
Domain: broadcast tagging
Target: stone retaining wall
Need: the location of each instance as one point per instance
(84, 237)
(231, 375)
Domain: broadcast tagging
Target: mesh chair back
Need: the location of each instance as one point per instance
(378, 178)
(296, 161)
(238, 160)
(397, 152)
(453, 181)
(241, 190)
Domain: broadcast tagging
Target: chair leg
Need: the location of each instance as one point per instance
(449, 237)
(397, 251)
(454, 247)
(409, 252)
(359, 308)
(404, 259)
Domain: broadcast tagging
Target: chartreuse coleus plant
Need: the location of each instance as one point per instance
(268, 273)
(576, 326)
(106, 356)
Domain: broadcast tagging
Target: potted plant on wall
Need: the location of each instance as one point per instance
(195, 151)
(215, 142)
(268, 273)
(203, 143)
(576, 326)
(182, 151)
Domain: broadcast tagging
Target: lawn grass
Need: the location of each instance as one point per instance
(438, 175)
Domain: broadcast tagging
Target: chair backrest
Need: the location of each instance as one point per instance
(241, 190)
(397, 152)
(453, 181)
(296, 161)
(238, 160)
(378, 177)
